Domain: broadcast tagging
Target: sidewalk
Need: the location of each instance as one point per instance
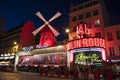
(91, 77)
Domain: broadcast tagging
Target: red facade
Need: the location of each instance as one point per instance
(27, 38)
(47, 38)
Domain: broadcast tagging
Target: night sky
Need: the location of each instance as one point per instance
(16, 12)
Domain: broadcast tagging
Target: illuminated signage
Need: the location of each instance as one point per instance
(88, 58)
(82, 29)
(86, 42)
(33, 47)
(82, 57)
(27, 48)
(39, 46)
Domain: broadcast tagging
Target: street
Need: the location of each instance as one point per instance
(25, 76)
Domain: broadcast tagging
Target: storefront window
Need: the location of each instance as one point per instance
(88, 58)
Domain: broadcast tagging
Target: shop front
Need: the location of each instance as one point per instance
(7, 62)
(86, 51)
(44, 57)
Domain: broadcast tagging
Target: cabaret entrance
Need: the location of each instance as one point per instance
(86, 51)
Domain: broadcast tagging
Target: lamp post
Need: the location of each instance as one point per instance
(14, 42)
(70, 37)
(67, 30)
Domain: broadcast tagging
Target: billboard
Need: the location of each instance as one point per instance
(60, 58)
(88, 58)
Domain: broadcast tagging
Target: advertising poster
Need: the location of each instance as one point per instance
(60, 58)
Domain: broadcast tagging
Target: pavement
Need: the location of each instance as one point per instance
(36, 76)
(25, 76)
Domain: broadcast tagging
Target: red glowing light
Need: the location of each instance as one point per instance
(86, 42)
(82, 29)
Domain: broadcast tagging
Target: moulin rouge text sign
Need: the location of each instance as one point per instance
(86, 42)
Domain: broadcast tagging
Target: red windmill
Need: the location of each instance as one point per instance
(47, 32)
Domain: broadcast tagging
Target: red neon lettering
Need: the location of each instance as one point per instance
(74, 44)
(86, 29)
(80, 29)
(85, 43)
(91, 43)
(96, 41)
(78, 43)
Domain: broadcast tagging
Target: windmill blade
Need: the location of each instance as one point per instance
(38, 29)
(55, 16)
(40, 16)
(56, 33)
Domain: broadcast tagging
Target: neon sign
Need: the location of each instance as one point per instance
(82, 57)
(82, 29)
(88, 58)
(34, 47)
(86, 42)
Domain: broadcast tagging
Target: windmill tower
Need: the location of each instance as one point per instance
(47, 32)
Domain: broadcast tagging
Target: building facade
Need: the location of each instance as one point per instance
(93, 13)
(112, 40)
(12, 40)
(91, 40)
(9, 46)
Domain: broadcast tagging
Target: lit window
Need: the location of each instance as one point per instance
(97, 23)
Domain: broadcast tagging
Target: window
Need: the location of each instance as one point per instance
(89, 25)
(80, 17)
(88, 15)
(98, 34)
(118, 34)
(97, 23)
(74, 29)
(95, 12)
(111, 50)
(109, 36)
(74, 18)
(80, 7)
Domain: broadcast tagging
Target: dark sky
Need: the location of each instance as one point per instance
(15, 12)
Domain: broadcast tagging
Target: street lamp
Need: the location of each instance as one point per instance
(67, 30)
(15, 43)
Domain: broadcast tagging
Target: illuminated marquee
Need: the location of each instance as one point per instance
(33, 47)
(86, 42)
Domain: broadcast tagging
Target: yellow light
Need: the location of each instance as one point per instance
(15, 43)
(67, 30)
